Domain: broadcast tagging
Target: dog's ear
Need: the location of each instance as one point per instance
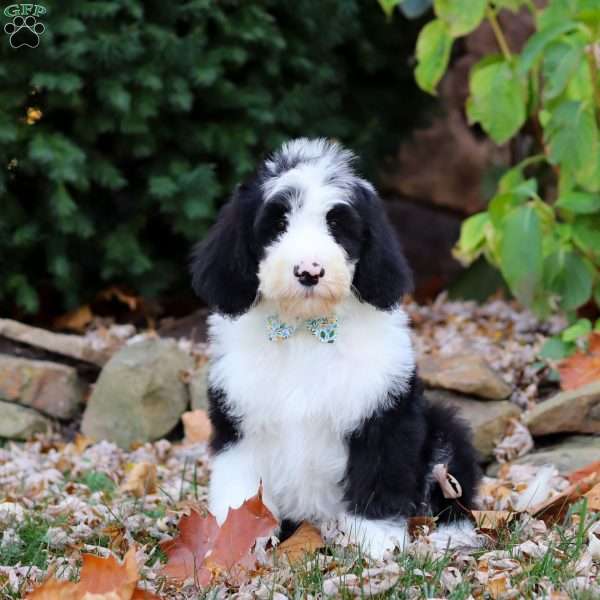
(382, 275)
(224, 266)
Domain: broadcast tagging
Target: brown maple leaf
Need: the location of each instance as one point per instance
(101, 579)
(582, 367)
(187, 552)
(204, 551)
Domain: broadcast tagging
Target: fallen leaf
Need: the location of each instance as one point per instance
(139, 594)
(141, 480)
(81, 442)
(582, 367)
(555, 508)
(116, 293)
(53, 589)
(450, 486)
(238, 533)
(498, 586)
(584, 472)
(307, 538)
(516, 443)
(419, 525)
(492, 520)
(75, 320)
(196, 426)
(204, 551)
(593, 498)
(101, 579)
(187, 552)
(106, 575)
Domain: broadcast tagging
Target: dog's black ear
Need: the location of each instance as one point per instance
(224, 266)
(382, 275)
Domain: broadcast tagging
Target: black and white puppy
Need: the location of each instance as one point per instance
(313, 388)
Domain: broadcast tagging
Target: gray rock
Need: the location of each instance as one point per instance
(576, 411)
(140, 394)
(488, 420)
(199, 388)
(570, 454)
(49, 387)
(466, 373)
(20, 423)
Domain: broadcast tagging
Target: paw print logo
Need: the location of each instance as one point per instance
(24, 31)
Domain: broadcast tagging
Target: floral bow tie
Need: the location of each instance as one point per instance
(323, 328)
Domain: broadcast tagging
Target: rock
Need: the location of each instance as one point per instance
(140, 394)
(74, 346)
(48, 387)
(575, 411)
(199, 388)
(488, 420)
(20, 423)
(466, 373)
(570, 454)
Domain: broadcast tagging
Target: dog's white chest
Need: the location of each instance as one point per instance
(296, 400)
(302, 467)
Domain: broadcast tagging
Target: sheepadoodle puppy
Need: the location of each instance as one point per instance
(312, 382)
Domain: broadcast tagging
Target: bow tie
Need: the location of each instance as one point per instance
(323, 328)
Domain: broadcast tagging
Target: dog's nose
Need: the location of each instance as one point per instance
(308, 272)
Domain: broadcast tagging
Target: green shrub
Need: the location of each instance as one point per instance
(130, 123)
(542, 228)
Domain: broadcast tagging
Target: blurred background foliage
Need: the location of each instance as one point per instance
(122, 133)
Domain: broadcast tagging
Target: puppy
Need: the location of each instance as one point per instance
(312, 383)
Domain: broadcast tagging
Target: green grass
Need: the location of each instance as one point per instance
(97, 481)
(33, 548)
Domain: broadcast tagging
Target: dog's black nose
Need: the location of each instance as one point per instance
(309, 273)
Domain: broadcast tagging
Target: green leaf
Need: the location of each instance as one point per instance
(498, 100)
(586, 234)
(513, 5)
(580, 203)
(521, 260)
(561, 61)
(579, 329)
(555, 348)
(433, 52)
(388, 6)
(472, 232)
(461, 16)
(573, 282)
(572, 138)
(501, 205)
(162, 187)
(537, 43)
(597, 294)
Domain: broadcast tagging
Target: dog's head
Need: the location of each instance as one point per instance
(304, 234)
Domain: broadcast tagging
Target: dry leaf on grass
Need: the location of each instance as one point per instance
(141, 480)
(204, 551)
(196, 426)
(101, 579)
(593, 498)
(450, 486)
(582, 367)
(187, 552)
(418, 526)
(75, 320)
(585, 472)
(492, 520)
(305, 539)
(553, 510)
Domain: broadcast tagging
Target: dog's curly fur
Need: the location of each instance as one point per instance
(336, 432)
